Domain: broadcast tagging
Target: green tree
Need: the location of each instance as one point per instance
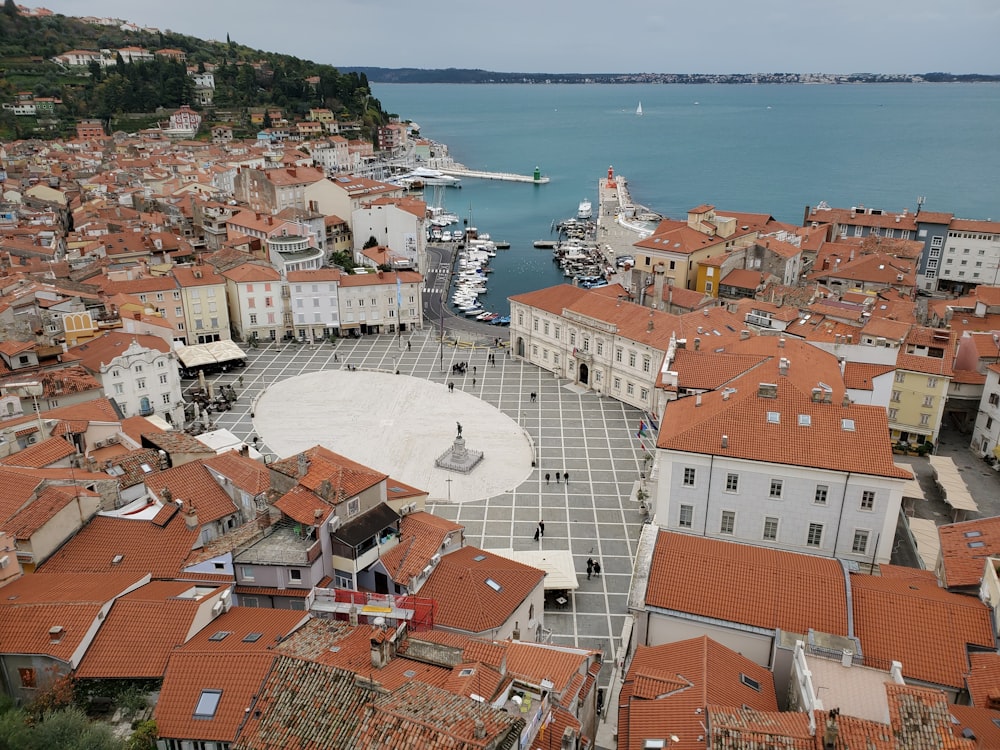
(10, 8)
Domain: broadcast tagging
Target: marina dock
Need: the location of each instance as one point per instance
(504, 176)
(617, 228)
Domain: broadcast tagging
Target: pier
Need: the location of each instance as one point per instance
(504, 176)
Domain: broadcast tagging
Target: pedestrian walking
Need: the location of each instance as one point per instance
(566, 478)
(537, 532)
(546, 479)
(451, 387)
(541, 527)
(597, 567)
(335, 357)
(473, 369)
(557, 477)
(408, 346)
(473, 382)
(590, 568)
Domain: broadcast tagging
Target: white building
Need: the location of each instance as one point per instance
(396, 223)
(986, 433)
(780, 458)
(141, 373)
(315, 302)
(382, 302)
(255, 295)
(971, 253)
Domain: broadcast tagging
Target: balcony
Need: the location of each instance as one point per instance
(282, 545)
(760, 321)
(367, 553)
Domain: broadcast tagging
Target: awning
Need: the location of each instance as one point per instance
(560, 574)
(911, 488)
(955, 491)
(925, 534)
(368, 525)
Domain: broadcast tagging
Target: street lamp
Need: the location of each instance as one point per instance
(449, 480)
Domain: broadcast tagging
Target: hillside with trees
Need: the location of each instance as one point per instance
(245, 78)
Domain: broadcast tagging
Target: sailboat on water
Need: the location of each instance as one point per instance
(638, 110)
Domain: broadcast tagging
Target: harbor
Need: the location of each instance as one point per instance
(458, 171)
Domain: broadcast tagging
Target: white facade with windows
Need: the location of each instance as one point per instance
(590, 352)
(374, 303)
(314, 298)
(986, 433)
(144, 382)
(795, 508)
(971, 253)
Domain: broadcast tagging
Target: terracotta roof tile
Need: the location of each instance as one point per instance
(145, 546)
(421, 537)
(34, 604)
(983, 679)
(141, 631)
(248, 475)
(193, 484)
(42, 454)
(931, 627)
(964, 549)
(23, 524)
(466, 601)
(783, 594)
(983, 723)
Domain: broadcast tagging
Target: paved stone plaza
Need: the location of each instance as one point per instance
(567, 429)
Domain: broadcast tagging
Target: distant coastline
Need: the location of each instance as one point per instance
(466, 75)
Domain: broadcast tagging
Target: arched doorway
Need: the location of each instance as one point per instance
(584, 373)
(520, 347)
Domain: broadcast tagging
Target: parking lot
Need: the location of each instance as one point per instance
(570, 429)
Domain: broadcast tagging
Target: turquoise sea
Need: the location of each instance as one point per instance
(768, 148)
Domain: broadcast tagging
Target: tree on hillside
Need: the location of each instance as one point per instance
(10, 8)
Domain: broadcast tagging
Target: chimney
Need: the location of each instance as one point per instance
(166, 495)
(781, 342)
(783, 366)
(697, 400)
(832, 732)
(303, 466)
(516, 635)
(352, 615)
(568, 739)
(725, 441)
(56, 632)
(190, 517)
(846, 402)
(480, 731)
(697, 344)
(649, 325)
(744, 334)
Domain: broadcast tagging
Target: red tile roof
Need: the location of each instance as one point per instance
(42, 454)
(667, 689)
(146, 547)
(141, 631)
(965, 547)
(710, 578)
(983, 679)
(464, 599)
(32, 605)
(347, 478)
(193, 484)
(421, 536)
(697, 424)
(248, 475)
(931, 627)
(23, 524)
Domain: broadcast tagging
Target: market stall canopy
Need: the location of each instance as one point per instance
(560, 574)
(925, 534)
(953, 487)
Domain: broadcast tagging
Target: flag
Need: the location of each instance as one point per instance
(642, 445)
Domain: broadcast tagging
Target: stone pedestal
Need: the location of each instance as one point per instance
(459, 458)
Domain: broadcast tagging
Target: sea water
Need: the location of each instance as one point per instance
(769, 149)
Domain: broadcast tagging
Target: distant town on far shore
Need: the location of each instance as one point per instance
(465, 75)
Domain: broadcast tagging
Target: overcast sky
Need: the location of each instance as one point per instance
(591, 36)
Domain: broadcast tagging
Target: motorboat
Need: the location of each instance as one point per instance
(585, 210)
(433, 177)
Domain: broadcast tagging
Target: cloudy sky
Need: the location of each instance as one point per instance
(586, 36)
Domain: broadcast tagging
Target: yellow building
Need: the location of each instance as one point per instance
(923, 372)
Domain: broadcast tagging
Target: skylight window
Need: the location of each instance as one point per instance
(146, 468)
(252, 637)
(494, 585)
(220, 635)
(977, 544)
(396, 489)
(774, 417)
(750, 682)
(409, 674)
(466, 672)
(115, 471)
(805, 420)
(479, 558)
(971, 534)
(208, 704)
(847, 425)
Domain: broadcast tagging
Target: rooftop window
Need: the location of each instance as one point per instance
(220, 635)
(208, 703)
(494, 585)
(750, 682)
(252, 637)
(805, 420)
(847, 425)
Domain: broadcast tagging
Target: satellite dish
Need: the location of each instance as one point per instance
(379, 621)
